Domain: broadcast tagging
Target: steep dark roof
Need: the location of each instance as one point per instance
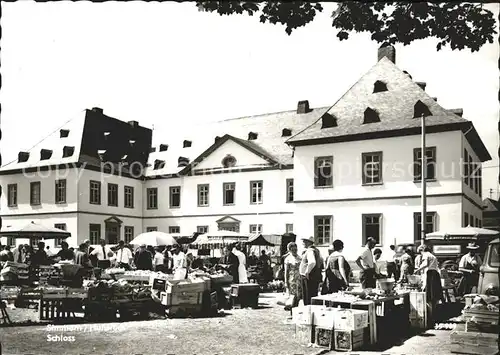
(490, 205)
(269, 142)
(395, 107)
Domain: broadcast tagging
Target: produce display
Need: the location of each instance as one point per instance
(14, 271)
(120, 290)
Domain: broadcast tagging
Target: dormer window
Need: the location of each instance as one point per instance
(420, 109)
(23, 157)
(379, 86)
(421, 84)
(63, 133)
(163, 147)
(186, 144)
(159, 164)
(371, 116)
(286, 132)
(252, 136)
(182, 162)
(68, 151)
(229, 161)
(328, 121)
(45, 154)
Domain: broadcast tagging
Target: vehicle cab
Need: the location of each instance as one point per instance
(488, 277)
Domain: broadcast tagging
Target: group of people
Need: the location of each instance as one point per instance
(234, 262)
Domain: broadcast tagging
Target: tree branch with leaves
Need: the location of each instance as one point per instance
(459, 25)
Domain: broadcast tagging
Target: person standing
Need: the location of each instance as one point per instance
(82, 257)
(123, 256)
(49, 252)
(392, 270)
(179, 263)
(242, 270)
(19, 254)
(469, 265)
(231, 264)
(159, 260)
(367, 265)
(337, 269)
(292, 274)
(310, 270)
(143, 259)
(406, 266)
(103, 252)
(431, 280)
(65, 253)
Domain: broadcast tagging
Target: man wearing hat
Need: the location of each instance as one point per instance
(469, 265)
(367, 265)
(310, 270)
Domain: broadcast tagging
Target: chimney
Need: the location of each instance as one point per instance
(303, 107)
(134, 124)
(216, 139)
(97, 110)
(23, 157)
(186, 144)
(387, 51)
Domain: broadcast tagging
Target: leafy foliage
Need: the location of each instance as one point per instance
(459, 25)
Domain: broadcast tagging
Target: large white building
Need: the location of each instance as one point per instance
(348, 171)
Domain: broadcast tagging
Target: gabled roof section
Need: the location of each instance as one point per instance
(270, 141)
(395, 108)
(490, 205)
(228, 219)
(249, 145)
(53, 142)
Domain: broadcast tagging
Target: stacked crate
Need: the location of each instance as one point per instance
(245, 295)
(419, 311)
(182, 297)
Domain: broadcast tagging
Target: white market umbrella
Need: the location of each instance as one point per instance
(462, 232)
(154, 239)
(34, 230)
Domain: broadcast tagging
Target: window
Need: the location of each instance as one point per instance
(229, 161)
(11, 241)
(152, 198)
(174, 229)
(256, 192)
(480, 224)
(35, 241)
(289, 228)
(430, 224)
(430, 154)
(35, 193)
(128, 197)
(466, 167)
(323, 172)
(129, 234)
(12, 195)
(113, 195)
(95, 192)
(475, 177)
(202, 229)
(493, 259)
(471, 220)
(203, 194)
(322, 229)
(465, 222)
(151, 229)
(372, 227)
(480, 182)
(289, 190)
(255, 228)
(372, 168)
(477, 222)
(58, 241)
(379, 86)
(175, 196)
(94, 233)
(371, 116)
(328, 121)
(229, 193)
(61, 191)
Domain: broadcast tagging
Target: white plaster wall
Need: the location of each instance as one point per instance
(471, 209)
(397, 219)
(47, 186)
(84, 190)
(466, 189)
(397, 163)
(274, 194)
(244, 157)
(85, 219)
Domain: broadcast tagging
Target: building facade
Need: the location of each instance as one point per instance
(349, 171)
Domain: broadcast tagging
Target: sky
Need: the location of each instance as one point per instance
(167, 65)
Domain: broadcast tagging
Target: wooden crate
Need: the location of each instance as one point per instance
(245, 295)
(419, 310)
(324, 337)
(305, 334)
(181, 298)
(185, 286)
(52, 309)
(351, 319)
(348, 340)
(53, 293)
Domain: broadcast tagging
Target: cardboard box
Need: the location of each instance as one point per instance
(186, 286)
(418, 310)
(302, 315)
(324, 317)
(350, 319)
(182, 298)
(304, 334)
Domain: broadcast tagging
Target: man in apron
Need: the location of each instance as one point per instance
(469, 265)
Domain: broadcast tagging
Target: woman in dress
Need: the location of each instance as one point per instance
(179, 263)
(292, 275)
(431, 279)
(338, 269)
(406, 266)
(242, 267)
